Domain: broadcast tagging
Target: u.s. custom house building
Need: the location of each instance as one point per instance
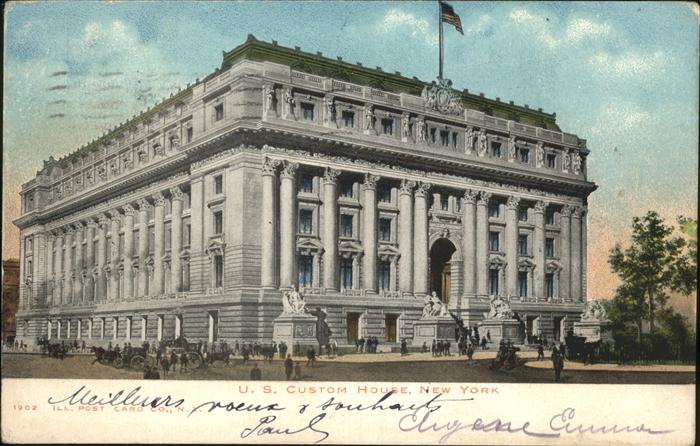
(366, 189)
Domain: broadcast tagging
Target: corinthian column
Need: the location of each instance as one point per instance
(60, 275)
(511, 239)
(176, 197)
(101, 257)
(420, 237)
(369, 239)
(78, 281)
(539, 245)
(565, 257)
(158, 251)
(50, 279)
(68, 267)
(469, 242)
(330, 229)
(128, 291)
(288, 224)
(576, 275)
(482, 244)
(89, 286)
(269, 224)
(406, 236)
(144, 207)
(114, 256)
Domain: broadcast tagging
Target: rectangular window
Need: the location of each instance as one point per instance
(384, 270)
(551, 161)
(348, 119)
(115, 327)
(307, 111)
(444, 202)
(385, 229)
(219, 112)
(128, 328)
(522, 283)
(306, 221)
(522, 214)
(549, 247)
(388, 126)
(493, 281)
(178, 325)
(187, 234)
(103, 322)
(346, 273)
(444, 137)
(524, 156)
(345, 225)
(496, 149)
(29, 268)
(134, 245)
(28, 244)
(218, 222)
(306, 271)
(454, 140)
(346, 189)
(186, 276)
(213, 326)
(159, 327)
(522, 245)
(549, 284)
(144, 326)
(307, 183)
(218, 271)
(190, 132)
(433, 133)
(494, 210)
(385, 193)
(218, 184)
(151, 240)
(494, 244)
(549, 216)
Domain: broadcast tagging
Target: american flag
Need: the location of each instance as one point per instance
(447, 14)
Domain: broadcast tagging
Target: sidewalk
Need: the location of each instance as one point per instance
(411, 357)
(568, 365)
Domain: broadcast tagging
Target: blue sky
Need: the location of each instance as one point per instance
(622, 75)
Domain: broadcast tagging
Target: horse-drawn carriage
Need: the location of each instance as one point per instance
(192, 350)
(582, 348)
(134, 357)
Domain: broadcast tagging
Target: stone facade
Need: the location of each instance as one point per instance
(10, 298)
(193, 217)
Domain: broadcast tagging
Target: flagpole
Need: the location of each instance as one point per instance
(440, 22)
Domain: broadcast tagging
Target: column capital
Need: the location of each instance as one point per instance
(69, 230)
(470, 196)
(91, 223)
(406, 187)
(540, 207)
(129, 210)
(513, 202)
(370, 182)
(423, 189)
(116, 217)
(78, 226)
(330, 176)
(176, 194)
(269, 166)
(484, 198)
(578, 211)
(566, 210)
(144, 205)
(289, 170)
(158, 200)
(103, 219)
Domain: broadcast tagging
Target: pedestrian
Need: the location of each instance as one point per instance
(562, 351)
(184, 361)
(246, 355)
(483, 343)
(82, 346)
(310, 356)
(404, 348)
(447, 348)
(288, 367)
(557, 363)
(540, 352)
(488, 335)
(166, 366)
(424, 349)
(470, 351)
(173, 360)
(255, 373)
(433, 348)
(159, 355)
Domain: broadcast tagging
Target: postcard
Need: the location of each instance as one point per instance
(350, 222)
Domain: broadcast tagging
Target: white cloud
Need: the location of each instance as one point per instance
(396, 19)
(629, 64)
(482, 26)
(577, 30)
(621, 119)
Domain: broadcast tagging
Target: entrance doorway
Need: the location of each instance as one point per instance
(353, 327)
(558, 328)
(390, 320)
(441, 268)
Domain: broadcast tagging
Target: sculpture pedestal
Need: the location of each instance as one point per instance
(437, 327)
(593, 330)
(506, 329)
(295, 330)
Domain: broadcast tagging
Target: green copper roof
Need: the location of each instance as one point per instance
(253, 49)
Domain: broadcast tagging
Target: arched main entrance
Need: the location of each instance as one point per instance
(440, 268)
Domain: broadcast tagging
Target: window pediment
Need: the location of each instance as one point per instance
(388, 252)
(309, 246)
(350, 248)
(497, 261)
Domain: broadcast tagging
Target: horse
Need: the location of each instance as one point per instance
(219, 356)
(102, 355)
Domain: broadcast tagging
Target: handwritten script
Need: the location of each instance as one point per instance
(422, 416)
